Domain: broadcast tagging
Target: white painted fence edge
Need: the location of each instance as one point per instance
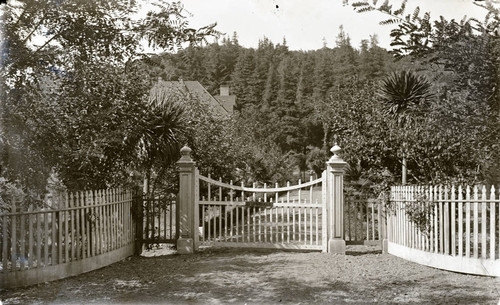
(61, 271)
(446, 262)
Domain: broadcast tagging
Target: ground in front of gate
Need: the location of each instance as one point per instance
(244, 276)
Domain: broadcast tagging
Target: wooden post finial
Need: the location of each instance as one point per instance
(186, 153)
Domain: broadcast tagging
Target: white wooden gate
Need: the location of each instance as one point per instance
(304, 216)
(288, 217)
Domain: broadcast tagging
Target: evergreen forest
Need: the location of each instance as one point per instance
(81, 111)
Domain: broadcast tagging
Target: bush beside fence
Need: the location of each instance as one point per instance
(87, 231)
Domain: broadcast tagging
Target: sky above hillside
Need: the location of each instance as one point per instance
(306, 23)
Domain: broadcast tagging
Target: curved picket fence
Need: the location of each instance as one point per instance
(455, 229)
(85, 231)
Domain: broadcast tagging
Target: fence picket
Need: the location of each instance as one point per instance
(220, 190)
(237, 223)
(271, 236)
(72, 227)
(30, 237)
(22, 240)
(441, 220)
(46, 239)
(373, 221)
(265, 224)
(484, 248)
(492, 223)
(288, 192)
(460, 222)
(38, 248)
(260, 225)
(107, 224)
(277, 223)
(446, 222)
(107, 237)
(453, 221)
(311, 226)
(265, 194)
(305, 225)
(86, 225)
(317, 226)
(66, 230)
(276, 195)
(99, 199)
(220, 221)
(476, 222)
(300, 222)
(467, 221)
(114, 207)
(436, 228)
(78, 234)
(114, 197)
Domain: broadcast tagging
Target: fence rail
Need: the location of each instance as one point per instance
(453, 228)
(86, 231)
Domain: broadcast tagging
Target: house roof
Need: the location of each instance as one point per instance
(227, 101)
(195, 89)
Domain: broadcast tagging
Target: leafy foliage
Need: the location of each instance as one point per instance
(75, 97)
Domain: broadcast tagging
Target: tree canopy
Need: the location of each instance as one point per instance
(74, 97)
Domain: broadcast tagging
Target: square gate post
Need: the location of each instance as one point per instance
(186, 202)
(138, 218)
(335, 202)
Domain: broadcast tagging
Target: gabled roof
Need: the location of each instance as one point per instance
(227, 101)
(195, 89)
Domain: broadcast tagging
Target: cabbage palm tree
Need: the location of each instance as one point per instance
(402, 95)
(159, 142)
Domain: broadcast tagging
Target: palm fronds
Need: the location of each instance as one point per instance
(402, 93)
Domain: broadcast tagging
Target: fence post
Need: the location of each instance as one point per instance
(384, 242)
(138, 219)
(335, 202)
(186, 203)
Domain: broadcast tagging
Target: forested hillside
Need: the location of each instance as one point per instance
(285, 91)
(79, 111)
(293, 105)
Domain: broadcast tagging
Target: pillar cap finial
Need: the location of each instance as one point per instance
(186, 153)
(335, 150)
(336, 159)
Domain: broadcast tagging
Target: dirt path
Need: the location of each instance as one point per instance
(222, 276)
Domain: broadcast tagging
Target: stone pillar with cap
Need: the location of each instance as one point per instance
(335, 201)
(186, 202)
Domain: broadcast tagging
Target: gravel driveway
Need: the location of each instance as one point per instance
(242, 276)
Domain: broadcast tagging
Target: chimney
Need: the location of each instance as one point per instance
(224, 90)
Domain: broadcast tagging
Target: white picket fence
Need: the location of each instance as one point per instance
(86, 231)
(452, 228)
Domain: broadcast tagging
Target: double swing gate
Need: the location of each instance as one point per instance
(290, 217)
(209, 212)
